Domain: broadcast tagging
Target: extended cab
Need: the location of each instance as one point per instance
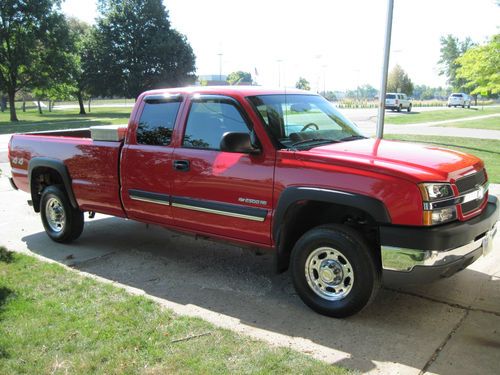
(274, 169)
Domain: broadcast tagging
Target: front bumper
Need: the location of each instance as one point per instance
(415, 255)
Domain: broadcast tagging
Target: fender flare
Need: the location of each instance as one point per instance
(292, 195)
(60, 168)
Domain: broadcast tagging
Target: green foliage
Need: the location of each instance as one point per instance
(133, 48)
(303, 84)
(451, 49)
(424, 92)
(329, 95)
(239, 77)
(363, 92)
(398, 81)
(34, 46)
(479, 67)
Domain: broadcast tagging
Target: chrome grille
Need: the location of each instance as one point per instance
(469, 182)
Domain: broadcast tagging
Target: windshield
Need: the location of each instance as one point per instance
(303, 121)
(390, 96)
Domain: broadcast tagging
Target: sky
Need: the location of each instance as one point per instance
(334, 44)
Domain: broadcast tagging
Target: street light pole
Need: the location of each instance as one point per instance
(220, 66)
(385, 69)
(279, 72)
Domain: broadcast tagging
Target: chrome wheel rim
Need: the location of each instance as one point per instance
(329, 273)
(55, 215)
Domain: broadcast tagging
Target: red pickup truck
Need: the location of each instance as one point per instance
(273, 169)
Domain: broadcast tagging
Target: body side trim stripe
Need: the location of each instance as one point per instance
(146, 196)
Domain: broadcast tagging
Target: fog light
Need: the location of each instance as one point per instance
(439, 216)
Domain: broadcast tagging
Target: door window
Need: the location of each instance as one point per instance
(209, 120)
(157, 123)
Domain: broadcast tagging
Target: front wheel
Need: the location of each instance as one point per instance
(400, 108)
(334, 270)
(409, 108)
(62, 222)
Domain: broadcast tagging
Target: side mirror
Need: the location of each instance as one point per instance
(238, 142)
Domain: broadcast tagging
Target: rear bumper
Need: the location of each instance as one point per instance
(414, 255)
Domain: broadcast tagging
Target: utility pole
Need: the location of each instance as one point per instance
(385, 69)
(279, 72)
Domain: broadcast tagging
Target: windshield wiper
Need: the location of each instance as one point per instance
(313, 140)
(352, 138)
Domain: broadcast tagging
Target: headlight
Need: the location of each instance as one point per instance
(444, 209)
(432, 192)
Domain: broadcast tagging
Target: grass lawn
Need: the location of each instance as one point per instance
(55, 321)
(62, 119)
(416, 117)
(486, 149)
(490, 123)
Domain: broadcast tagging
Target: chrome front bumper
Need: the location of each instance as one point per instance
(416, 255)
(404, 260)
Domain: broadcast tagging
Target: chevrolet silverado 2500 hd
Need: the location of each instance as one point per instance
(270, 169)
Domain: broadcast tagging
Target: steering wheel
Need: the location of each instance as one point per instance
(310, 125)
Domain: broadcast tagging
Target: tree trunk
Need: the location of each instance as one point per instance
(39, 106)
(12, 105)
(3, 104)
(90, 99)
(80, 103)
(50, 105)
(24, 104)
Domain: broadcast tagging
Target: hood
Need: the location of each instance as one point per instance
(415, 162)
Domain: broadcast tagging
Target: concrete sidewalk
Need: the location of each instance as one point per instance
(450, 327)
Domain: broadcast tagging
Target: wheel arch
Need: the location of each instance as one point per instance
(301, 208)
(44, 172)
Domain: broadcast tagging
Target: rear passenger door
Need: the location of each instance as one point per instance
(215, 192)
(146, 172)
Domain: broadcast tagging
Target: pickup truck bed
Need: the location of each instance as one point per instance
(97, 191)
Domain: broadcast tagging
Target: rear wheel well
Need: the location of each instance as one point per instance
(41, 177)
(305, 215)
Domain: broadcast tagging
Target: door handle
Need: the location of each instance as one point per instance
(181, 165)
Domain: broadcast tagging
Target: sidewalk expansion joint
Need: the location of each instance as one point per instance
(438, 350)
(456, 305)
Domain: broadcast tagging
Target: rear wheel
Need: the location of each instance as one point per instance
(62, 222)
(400, 107)
(409, 108)
(334, 270)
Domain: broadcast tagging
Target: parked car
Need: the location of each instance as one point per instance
(459, 100)
(272, 169)
(397, 102)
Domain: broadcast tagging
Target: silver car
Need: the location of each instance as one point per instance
(459, 100)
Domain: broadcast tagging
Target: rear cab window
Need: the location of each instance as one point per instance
(157, 120)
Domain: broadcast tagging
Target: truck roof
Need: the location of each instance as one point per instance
(239, 91)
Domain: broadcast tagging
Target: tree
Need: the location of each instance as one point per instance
(363, 92)
(135, 49)
(80, 33)
(398, 81)
(239, 77)
(303, 84)
(479, 67)
(451, 49)
(33, 46)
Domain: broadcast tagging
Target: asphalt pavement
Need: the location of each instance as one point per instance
(449, 327)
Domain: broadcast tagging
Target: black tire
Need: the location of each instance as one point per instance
(409, 108)
(61, 221)
(399, 108)
(463, 106)
(366, 270)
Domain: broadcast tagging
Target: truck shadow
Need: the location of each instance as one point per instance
(397, 327)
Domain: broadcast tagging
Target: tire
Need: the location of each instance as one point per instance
(342, 253)
(463, 106)
(409, 108)
(399, 108)
(62, 222)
